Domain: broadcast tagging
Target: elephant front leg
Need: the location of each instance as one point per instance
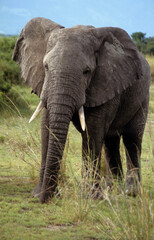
(44, 142)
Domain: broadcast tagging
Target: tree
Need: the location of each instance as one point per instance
(140, 40)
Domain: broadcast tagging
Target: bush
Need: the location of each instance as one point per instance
(150, 46)
(9, 70)
(144, 45)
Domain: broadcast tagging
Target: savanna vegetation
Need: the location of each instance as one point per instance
(73, 215)
(144, 44)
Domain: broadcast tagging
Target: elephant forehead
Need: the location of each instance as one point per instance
(82, 36)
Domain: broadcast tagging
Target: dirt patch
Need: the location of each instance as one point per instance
(6, 179)
(58, 227)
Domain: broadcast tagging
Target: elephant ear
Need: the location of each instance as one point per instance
(118, 66)
(30, 50)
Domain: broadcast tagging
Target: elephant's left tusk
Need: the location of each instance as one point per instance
(82, 118)
(37, 111)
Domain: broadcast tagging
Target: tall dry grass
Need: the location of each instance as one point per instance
(150, 60)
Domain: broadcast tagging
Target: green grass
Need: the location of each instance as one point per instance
(74, 215)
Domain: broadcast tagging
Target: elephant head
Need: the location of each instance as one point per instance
(69, 68)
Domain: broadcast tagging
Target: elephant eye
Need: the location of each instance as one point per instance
(86, 71)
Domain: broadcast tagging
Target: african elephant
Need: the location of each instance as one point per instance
(94, 77)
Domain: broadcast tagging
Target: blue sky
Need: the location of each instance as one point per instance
(131, 15)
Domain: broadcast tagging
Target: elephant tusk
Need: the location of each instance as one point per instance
(82, 118)
(37, 111)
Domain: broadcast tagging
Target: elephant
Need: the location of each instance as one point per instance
(96, 78)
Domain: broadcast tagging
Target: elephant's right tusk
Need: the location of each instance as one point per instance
(37, 111)
(82, 118)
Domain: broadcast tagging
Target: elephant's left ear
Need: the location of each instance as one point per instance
(118, 66)
(30, 49)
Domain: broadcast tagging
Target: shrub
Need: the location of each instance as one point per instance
(9, 70)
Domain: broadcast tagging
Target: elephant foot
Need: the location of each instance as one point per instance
(37, 191)
(98, 190)
(47, 195)
(113, 184)
(132, 184)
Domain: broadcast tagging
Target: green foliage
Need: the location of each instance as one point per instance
(9, 70)
(150, 46)
(139, 39)
(9, 74)
(145, 45)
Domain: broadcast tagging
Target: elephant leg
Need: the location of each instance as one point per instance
(44, 144)
(91, 153)
(132, 139)
(133, 151)
(91, 158)
(113, 159)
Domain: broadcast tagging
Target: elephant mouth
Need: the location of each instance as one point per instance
(41, 105)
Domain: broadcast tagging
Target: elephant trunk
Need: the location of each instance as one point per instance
(61, 105)
(58, 129)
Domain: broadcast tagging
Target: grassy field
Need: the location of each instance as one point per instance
(74, 215)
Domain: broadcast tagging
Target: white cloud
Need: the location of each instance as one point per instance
(22, 12)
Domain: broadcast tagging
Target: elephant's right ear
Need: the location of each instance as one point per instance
(30, 49)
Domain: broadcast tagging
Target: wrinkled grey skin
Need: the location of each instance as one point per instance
(98, 68)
